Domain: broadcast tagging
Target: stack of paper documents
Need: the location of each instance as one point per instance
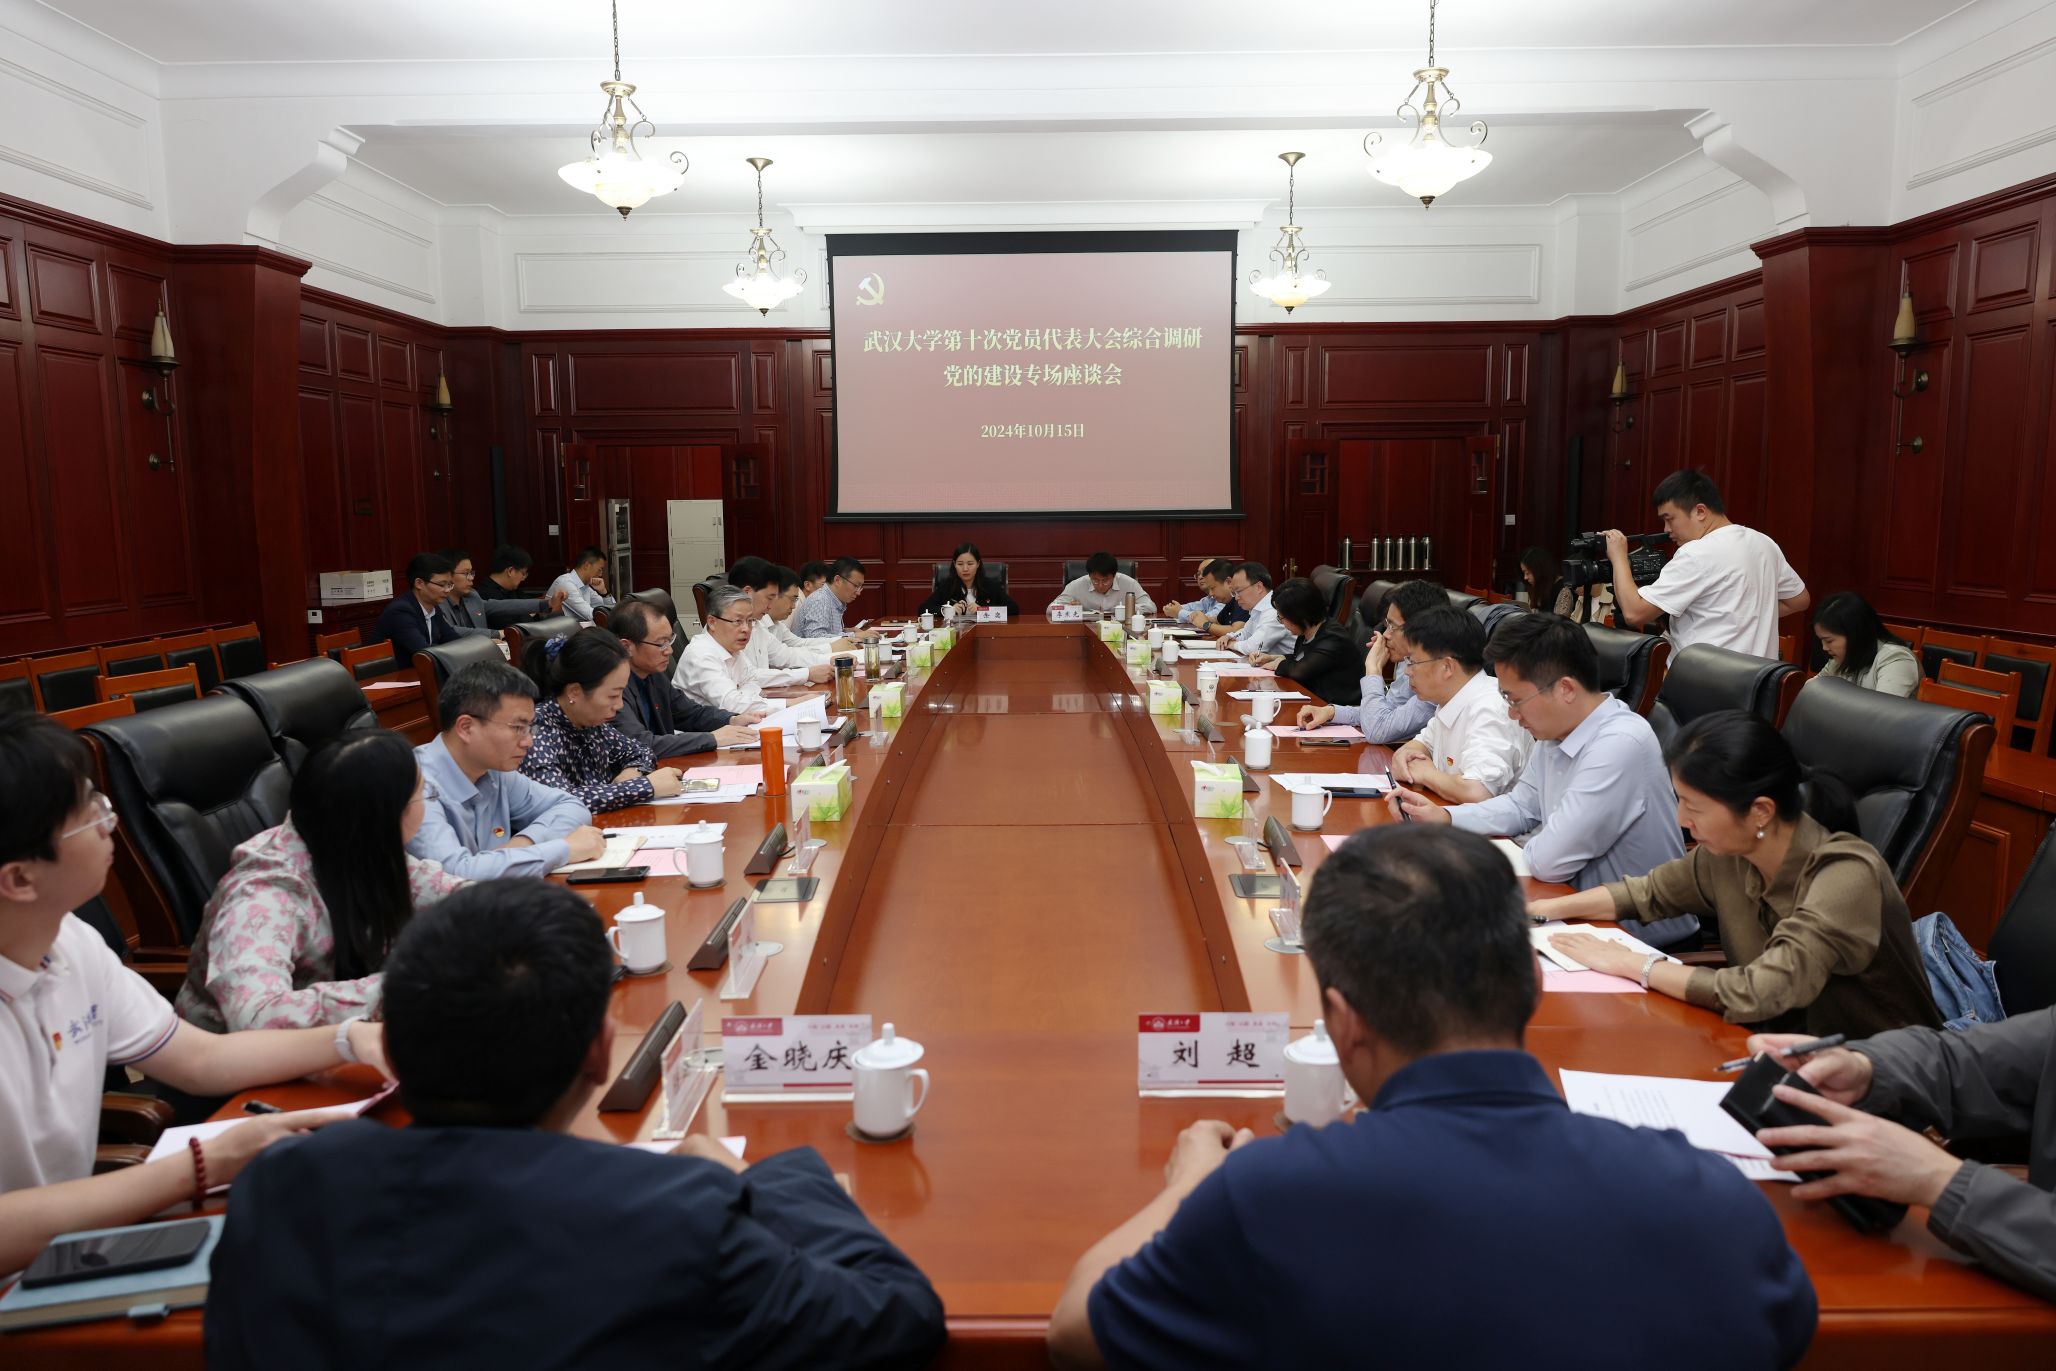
(1691, 1107)
(620, 847)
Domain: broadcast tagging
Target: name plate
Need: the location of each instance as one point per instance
(1211, 1054)
(745, 956)
(792, 1056)
(688, 1076)
(992, 614)
(1067, 614)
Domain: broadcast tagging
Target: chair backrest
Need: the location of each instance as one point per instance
(1937, 647)
(435, 665)
(305, 705)
(699, 599)
(1461, 599)
(1704, 679)
(117, 708)
(2024, 944)
(151, 689)
(331, 645)
(1915, 770)
(520, 635)
(191, 781)
(127, 659)
(1335, 590)
(1374, 595)
(241, 650)
(1630, 664)
(1909, 634)
(195, 650)
(661, 601)
(992, 571)
(2033, 664)
(1997, 706)
(1493, 615)
(370, 661)
(601, 616)
(66, 680)
(1073, 570)
(17, 687)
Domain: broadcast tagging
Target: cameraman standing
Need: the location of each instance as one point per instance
(1727, 585)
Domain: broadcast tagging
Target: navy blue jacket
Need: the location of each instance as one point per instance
(402, 625)
(368, 1246)
(1467, 1219)
(672, 722)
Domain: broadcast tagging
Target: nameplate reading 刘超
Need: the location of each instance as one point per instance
(792, 1056)
(1211, 1054)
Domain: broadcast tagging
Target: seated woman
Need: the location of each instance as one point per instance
(1861, 650)
(968, 581)
(1323, 659)
(1546, 589)
(1816, 934)
(298, 929)
(584, 678)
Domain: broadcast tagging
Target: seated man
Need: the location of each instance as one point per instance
(485, 1234)
(813, 575)
(463, 608)
(1215, 613)
(777, 618)
(69, 1010)
(413, 620)
(714, 669)
(1251, 587)
(1387, 714)
(1472, 749)
(1990, 1081)
(584, 587)
(1405, 1234)
(1594, 803)
(779, 660)
(510, 567)
(821, 612)
(480, 816)
(656, 711)
(1104, 588)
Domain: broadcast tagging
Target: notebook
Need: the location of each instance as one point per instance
(140, 1294)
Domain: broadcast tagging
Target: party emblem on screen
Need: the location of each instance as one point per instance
(871, 290)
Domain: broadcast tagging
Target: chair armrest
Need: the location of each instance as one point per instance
(133, 1119)
(1712, 958)
(116, 1156)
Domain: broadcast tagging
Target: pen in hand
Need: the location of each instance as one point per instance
(1795, 1050)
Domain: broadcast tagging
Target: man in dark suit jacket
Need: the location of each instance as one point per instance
(485, 1234)
(672, 722)
(413, 620)
(1322, 657)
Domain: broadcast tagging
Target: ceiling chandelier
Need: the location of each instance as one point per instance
(1428, 164)
(1286, 287)
(757, 282)
(616, 171)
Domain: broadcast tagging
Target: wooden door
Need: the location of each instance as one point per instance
(1311, 497)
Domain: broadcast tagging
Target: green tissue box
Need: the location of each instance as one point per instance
(1168, 697)
(824, 792)
(1217, 790)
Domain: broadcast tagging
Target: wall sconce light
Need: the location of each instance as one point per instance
(163, 360)
(1905, 342)
(1619, 396)
(442, 407)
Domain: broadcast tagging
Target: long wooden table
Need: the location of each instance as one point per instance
(1020, 875)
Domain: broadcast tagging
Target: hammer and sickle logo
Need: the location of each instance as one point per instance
(871, 290)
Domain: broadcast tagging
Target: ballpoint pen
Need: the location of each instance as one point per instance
(1796, 1050)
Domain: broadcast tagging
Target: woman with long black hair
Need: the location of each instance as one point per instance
(966, 578)
(298, 930)
(1547, 592)
(1817, 936)
(584, 681)
(1861, 650)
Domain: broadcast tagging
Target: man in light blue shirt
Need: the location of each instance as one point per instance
(1595, 802)
(820, 615)
(1394, 713)
(1214, 600)
(584, 587)
(481, 817)
(1265, 632)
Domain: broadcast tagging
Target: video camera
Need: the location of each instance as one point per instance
(1585, 563)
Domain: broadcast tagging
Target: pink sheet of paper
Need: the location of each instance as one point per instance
(662, 861)
(1335, 840)
(1588, 982)
(728, 775)
(1331, 731)
(1224, 672)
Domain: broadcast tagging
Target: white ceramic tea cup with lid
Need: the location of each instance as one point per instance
(637, 936)
(1315, 1091)
(885, 1100)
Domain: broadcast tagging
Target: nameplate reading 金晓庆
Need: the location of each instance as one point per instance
(792, 1056)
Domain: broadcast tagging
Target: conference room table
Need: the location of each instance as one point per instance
(1019, 877)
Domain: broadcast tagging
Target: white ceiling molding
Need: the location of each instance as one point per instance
(1041, 214)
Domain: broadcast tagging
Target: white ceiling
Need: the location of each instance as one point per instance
(208, 31)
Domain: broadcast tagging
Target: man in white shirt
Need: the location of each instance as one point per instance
(1472, 749)
(1251, 588)
(714, 669)
(69, 1009)
(1104, 587)
(774, 592)
(1726, 585)
(584, 587)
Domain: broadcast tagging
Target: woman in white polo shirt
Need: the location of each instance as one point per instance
(69, 1009)
(1472, 749)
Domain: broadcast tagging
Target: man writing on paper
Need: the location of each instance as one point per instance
(1472, 749)
(656, 711)
(1594, 804)
(1726, 585)
(1104, 588)
(1394, 713)
(481, 817)
(1215, 613)
(484, 1234)
(1990, 1081)
(1405, 1229)
(713, 668)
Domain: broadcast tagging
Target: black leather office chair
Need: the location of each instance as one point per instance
(1492, 616)
(2024, 945)
(1073, 570)
(1461, 599)
(501, 614)
(306, 704)
(190, 782)
(1630, 664)
(520, 635)
(938, 572)
(1915, 770)
(1705, 680)
(1334, 588)
(435, 665)
(1371, 601)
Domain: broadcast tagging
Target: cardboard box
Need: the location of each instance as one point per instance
(1138, 652)
(920, 654)
(945, 639)
(353, 587)
(889, 699)
(1216, 790)
(1167, 697)
(824, 792)
(1112, 634)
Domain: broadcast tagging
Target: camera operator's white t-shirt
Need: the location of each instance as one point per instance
(1724, 589)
